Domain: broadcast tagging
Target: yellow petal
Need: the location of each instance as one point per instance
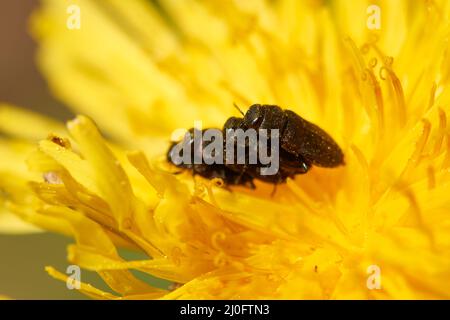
(22, 123)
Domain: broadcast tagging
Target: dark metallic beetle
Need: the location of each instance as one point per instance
(302, 145)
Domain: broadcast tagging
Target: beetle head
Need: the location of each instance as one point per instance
(254, 116)
(233, 123)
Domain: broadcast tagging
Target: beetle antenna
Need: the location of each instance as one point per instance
(237, 107)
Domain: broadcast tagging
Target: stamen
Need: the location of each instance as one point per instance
(432, 95)
(217, 182)
(176, 256)
(364, 164)
(199, 188)
(365, 48)
(399, 94)
(364, 75)
(420, 146)
(379, 108)
(373, 62)
(441, 132)
(382, 73)
(220, 260)
(431, 177)
(415, 208)
(386, 71)
(446, 163)
(388, 61)
(301, 195)
(216, 238)
(361, 158)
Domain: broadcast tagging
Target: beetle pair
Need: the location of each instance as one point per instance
(302, 145)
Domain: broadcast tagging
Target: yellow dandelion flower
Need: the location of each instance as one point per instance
(378, 227)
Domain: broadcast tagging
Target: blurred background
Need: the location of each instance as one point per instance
(20, 80)
(22, 258)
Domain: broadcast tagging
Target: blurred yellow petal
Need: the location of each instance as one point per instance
(112, 182)
(14, 178)
(25, 124)
(12, 224)
(86, 289)
(92, 236)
